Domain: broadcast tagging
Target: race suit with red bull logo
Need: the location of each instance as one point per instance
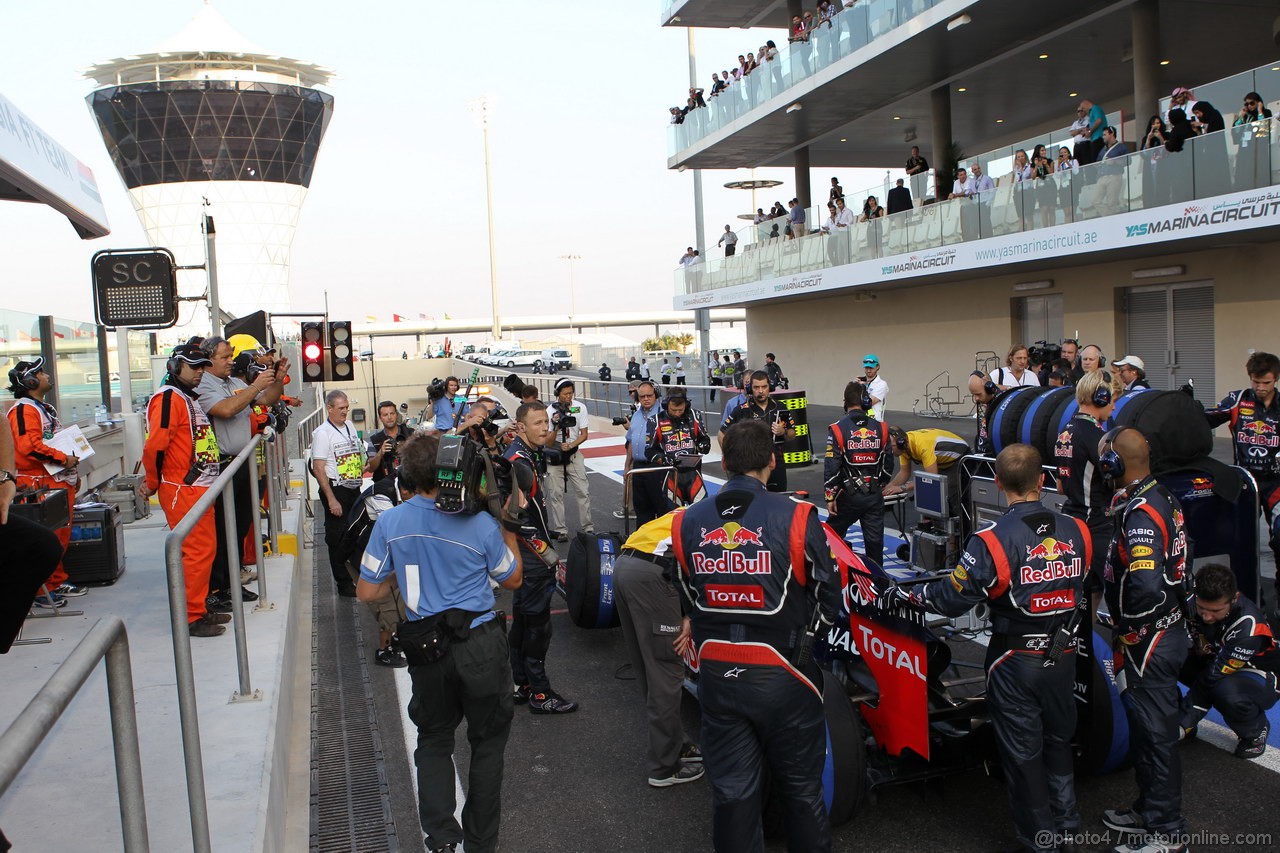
(753, 566)
(1030, 566)
(770, 413)
(1233, 666)
(530, 635)
(1255, 432)
(859, 462)
(1144, 582)
(679, 442)
(1075, 455)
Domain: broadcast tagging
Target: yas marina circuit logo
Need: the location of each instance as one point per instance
(800, 282)
(914, 263)
(1197, 216)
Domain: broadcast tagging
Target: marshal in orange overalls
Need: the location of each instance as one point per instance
(33, 423)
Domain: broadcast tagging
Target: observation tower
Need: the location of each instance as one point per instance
(209, 115)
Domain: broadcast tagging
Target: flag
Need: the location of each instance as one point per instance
(447, 317)
(396, 318)
(423, 317)
(371, 318)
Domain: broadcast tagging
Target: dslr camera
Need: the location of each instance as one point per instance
(1043, 352)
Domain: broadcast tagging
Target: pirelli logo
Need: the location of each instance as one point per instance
(800, 457)
(795, 403)
(802, 429)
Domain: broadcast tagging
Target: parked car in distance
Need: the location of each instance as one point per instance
(554, 360)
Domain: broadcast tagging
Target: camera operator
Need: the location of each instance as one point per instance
(858, 464)
(569, 422)
(677, 438)
(760, 406)
(1043, 355)
(761, 704)
(384, 445)
(446, 403)
(227, 400)
(479, 425)
(530, 635)
(31, 551)
(1032, 704)
(1233, 663)
(454, 644)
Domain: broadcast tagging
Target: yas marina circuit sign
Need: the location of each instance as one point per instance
(1223, 214)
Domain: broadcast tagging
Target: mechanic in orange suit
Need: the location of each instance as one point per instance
(34, 422)
(181, 462)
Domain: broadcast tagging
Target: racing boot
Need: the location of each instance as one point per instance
(1123, 820)
(550, 702)
(1253, 747)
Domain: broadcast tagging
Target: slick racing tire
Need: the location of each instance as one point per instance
(1102, 726)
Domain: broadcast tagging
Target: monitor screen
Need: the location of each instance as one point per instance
(931, 494)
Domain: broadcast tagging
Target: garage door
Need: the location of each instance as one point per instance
(1170, 327)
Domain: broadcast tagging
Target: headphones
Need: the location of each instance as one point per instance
(1102, 397)
(26, 379)
(1109, 462)
(1102, 358)
(991, 388)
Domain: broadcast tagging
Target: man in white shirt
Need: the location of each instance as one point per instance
(981, 183)
(569, 422)
(876, 386)
(729, 240)
(963, 187)
(680, 375)
(337, 462)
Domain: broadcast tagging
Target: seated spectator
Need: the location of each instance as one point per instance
(1015, 373)
(871, 209)
(1207, 118)
(1180, 130)
(963, 187)
(899, 199)
(1253, 110)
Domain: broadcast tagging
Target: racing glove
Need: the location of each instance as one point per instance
(894, 596)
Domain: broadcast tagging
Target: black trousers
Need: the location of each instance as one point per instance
(729, 249)
(470, 682)
(1243, 698)
(530, 635)
(31, 553)
(334, 527)
(1033, 714)
(1269, 497)
(777, 479)
(648, 498)
(1153, 701)
(245, 511)
(869, 509)
(763, 716)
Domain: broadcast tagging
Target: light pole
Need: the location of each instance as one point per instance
(481, 108)
(573, 300)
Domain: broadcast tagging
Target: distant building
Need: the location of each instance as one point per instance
(210, 115)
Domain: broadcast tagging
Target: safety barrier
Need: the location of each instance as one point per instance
(187, 712)
(107, 640)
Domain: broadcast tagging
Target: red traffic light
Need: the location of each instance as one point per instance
(311, 352)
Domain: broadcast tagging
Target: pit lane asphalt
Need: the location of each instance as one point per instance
(577, 783)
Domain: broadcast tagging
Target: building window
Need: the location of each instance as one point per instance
(1039, 318)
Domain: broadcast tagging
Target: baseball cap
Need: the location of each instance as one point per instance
(192, 354)
(1130, 361)
(870, 360)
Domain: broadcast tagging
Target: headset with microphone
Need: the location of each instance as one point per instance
(23, 375)
(1110, 463)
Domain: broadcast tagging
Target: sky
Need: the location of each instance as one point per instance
(395, 219)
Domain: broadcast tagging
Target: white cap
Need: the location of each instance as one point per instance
(1130, 361)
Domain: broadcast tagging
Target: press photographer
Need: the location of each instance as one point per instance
(445, 403)
(569, 420)
(453, 641)
(384, 445)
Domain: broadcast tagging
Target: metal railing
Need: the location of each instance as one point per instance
(612, 399)
(187, 712)
(108, 640)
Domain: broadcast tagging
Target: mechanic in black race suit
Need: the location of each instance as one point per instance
(1254, 415)
(530, 635)
(678, 439)
(859, 462)
(1145, 583)
(1029, 565)
(1233, 664)
(1075, 453)
(754, 566)
(760, 406)
(984, 392)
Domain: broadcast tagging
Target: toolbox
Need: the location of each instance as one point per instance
(95, 554)
(46, 507)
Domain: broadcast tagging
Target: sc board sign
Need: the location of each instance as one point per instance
(135, 288)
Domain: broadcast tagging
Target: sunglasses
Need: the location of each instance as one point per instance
(1250, 103)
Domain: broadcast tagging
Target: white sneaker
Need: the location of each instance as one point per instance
(71, 590)
(247, 576)
(686, 773)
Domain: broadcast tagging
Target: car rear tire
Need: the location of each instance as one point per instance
(511, 364)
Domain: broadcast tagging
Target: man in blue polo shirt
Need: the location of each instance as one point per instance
(456, 648)
(647, 498)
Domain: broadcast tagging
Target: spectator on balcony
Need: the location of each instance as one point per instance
(1097, 125)
(751, 64)
(798, 38)
(1021, 166)
(1064, 169)
(1111, 173)
(1181, 99)
(1253, 110)
(741, 70)
(1157, 134)
(1046, 194)
(963, 187)
(688, 257)
(717, 85)
(871, 209)
(729, 240)
(778, 210)
(1180, 130)
(1079, 131)
(981, 183)
(677, 115)
(836, 192)
(899, 199)
(836, 254)
(1207, 119)
(1156, 187)
(770, 54)
(695, 97)
(917, 171)
(691, 104)
(795, 220)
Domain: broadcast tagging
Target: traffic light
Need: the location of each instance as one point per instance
(313, 352)
(341, 355)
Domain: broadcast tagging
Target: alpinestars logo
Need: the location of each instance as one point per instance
(735, 672)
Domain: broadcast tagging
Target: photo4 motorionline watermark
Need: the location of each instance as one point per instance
(1198, 839)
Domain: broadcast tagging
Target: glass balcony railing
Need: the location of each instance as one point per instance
(849, 30)
(1237, 159)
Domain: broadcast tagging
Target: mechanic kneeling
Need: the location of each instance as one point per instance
(1029, 564)
(754, 566)
(1233, 662)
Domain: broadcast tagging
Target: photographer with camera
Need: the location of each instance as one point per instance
(384, 445)
(569, 421)
(479, 425)
(678, 438)
(446, 404)
(453, 641)
(530, 635)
